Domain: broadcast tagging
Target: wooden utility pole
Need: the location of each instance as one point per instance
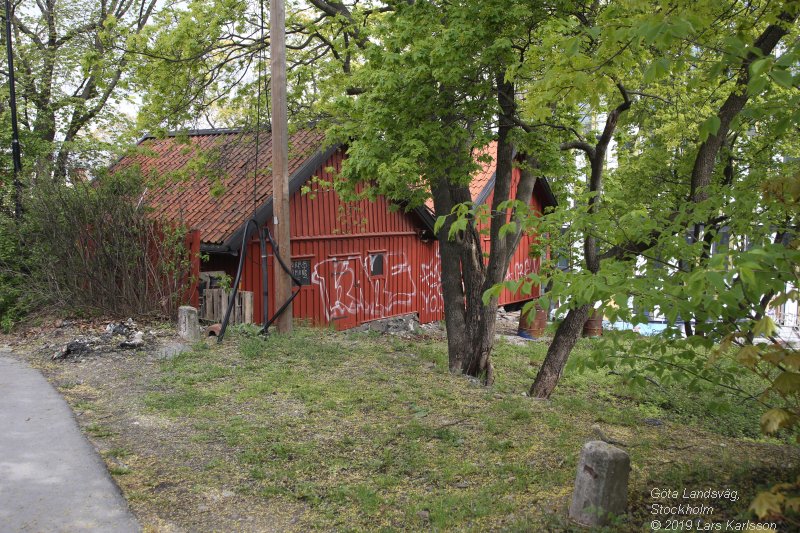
(280, 160)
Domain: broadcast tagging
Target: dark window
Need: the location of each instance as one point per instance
(376, 264)
(301, 271)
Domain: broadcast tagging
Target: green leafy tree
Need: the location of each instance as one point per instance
(435, 90)
(208, 60)
(678, 145)
(72, 72)
(421, 87)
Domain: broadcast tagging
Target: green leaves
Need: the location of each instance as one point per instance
(492, 293)
(709, 127)
(509, 227)
(759, 66)
(748, 356)
(572, 46)
(764, 327)
(440, 221)
(782, 77)
(787, 383)
(657, 70)
(459, 224)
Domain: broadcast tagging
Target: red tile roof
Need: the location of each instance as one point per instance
(230, 162)
(482, 176)
(181, 189)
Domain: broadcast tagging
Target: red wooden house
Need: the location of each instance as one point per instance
(358, 261)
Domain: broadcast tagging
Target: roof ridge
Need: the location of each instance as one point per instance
(197, 132)
(312, 126)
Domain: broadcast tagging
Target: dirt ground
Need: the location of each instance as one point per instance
(146, 454)
(151, 456)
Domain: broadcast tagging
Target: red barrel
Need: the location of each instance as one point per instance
(594, 325)
(532, 323)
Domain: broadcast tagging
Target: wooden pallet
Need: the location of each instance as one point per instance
(215, 303)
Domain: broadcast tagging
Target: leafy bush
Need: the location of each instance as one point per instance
(92, 248)
(10, 281)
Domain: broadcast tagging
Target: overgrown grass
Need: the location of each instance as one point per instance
(370, 432)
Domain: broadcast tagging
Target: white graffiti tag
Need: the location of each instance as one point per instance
(431, 280)
(337, 290)
(344, 294)
(520, 269)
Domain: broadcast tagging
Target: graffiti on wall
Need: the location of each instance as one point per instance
(346, 286)
(431, 281)
(521, 268)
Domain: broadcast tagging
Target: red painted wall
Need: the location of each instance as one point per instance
(338, 239)
(522, 263)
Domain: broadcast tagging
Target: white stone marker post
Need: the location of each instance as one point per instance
(188, 323)
(601, 486)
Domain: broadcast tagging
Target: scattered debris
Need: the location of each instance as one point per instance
(73, 349)
(507, 323)
(515, 340)
(114, 336)
(506, 327)
(135, 341)
(404, 325)
(121, 328)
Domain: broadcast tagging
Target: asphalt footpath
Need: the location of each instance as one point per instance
(51, 478)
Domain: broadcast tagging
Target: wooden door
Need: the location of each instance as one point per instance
(343, 291)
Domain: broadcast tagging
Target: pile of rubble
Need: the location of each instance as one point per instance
(507, 326)
(403, 326)
(117, 335)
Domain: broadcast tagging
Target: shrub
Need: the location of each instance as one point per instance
(93, 248)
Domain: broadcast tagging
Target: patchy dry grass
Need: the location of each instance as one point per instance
(365, 432)
(324, 430)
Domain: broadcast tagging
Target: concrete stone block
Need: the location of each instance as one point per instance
(188, 323)
(601, 485)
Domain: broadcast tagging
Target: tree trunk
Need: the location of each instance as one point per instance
(470, 324)
(465, 274)
(454, 312)
(567, 334)
(480, 318)
(706, 158)
(481, 322)
(445, 196)
(570, 329)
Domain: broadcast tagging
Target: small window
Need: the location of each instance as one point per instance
(301, 271)
(376, 264)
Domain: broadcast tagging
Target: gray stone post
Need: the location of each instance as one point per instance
(601, 486)
(188, 323)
